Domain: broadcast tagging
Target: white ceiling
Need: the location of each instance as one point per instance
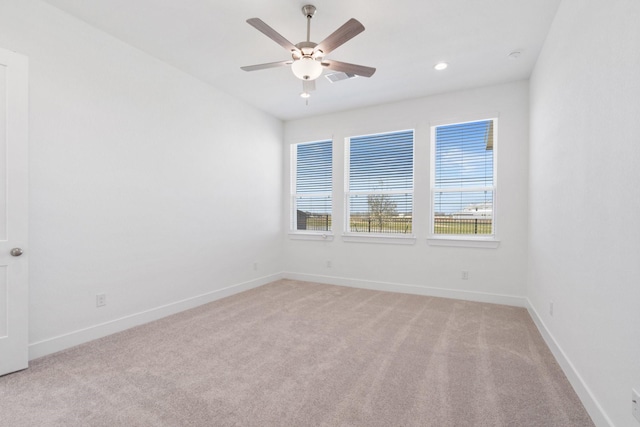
(210, 40)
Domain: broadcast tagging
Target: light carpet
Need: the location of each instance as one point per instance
(305, 354)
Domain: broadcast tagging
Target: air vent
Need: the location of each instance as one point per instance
(336, 77)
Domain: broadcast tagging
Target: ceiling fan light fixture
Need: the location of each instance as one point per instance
(306, 68)
(441, 66)
(305, 95)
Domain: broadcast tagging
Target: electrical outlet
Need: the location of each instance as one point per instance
(465, 275)
(255, 266)
(101, 300)
(635, 404)
(551, 308)
(328, 263)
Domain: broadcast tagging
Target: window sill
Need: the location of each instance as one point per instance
(462, 242)
(406, 239)
(326, 236)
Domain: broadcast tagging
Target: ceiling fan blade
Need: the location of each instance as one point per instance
(345, 67)
(349, 30)
(308, 85)
(265, 29)
(267, 65)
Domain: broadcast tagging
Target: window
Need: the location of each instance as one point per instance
(311, 180)
(379, 184)
(463, 182)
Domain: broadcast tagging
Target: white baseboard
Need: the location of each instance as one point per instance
(410, 289)
(598, 416)
(71, 339)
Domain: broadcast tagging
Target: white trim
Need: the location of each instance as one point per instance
(74, 338)
(463, 118)
(326, 236)
(511, 300)
(463, 243)
(593, 407)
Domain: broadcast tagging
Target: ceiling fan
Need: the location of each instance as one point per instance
(308, 58)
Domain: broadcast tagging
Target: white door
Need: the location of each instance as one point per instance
(14, 301)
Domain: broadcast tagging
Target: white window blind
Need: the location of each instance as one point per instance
(311, 186)
(379, 194)
(464, 183)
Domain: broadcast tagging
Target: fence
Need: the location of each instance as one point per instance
(314, 222)
(385, 224)
(397, 224)
(449, 225)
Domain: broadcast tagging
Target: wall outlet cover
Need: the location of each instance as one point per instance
(101, 300)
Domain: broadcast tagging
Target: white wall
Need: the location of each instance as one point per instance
(145, 183)
(584, 199)
(495, 275)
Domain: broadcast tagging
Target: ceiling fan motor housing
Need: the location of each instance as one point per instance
(307, 48)
(309, 10)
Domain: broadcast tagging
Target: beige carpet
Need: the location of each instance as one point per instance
(303, 354)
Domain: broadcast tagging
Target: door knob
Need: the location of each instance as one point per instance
(16, 252)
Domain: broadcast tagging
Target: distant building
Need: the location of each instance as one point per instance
(302, 219)
(475, 211)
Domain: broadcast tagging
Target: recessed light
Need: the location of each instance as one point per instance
(515, 54)
(441, 66)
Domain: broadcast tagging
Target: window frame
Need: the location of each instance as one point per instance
(368, 237)
(294, 233)
(464, 240)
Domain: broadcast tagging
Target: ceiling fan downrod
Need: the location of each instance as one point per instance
(308, 11)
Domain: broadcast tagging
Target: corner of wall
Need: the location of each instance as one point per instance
(581, 388)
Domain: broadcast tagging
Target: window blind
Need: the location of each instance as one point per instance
(463, 188)
(312, 188)
(462, 156)
(381, 162)
(380, 193)
(313, 167)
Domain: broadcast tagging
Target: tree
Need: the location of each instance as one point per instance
(380, 207)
